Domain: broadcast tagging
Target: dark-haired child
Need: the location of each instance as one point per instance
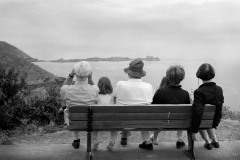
(207, 93)
(105, 97)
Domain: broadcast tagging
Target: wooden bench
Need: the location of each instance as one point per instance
(138, 118)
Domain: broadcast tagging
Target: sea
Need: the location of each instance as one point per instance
(227, 74)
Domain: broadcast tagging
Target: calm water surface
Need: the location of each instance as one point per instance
(227, 74)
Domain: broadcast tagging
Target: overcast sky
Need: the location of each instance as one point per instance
(52, 29)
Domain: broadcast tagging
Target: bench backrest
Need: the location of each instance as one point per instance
(139, 117)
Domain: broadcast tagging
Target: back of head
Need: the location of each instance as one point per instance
(205, 72)
(175, 74)
(105, 86)
(135, 69)
(82, 69)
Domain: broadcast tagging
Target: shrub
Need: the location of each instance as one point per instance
(45, 110)
(13, 88)
(17, 104)
(230, 114)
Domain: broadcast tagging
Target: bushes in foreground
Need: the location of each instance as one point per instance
(13, 88)
(230, 114)
(18, 106)
(45, 109)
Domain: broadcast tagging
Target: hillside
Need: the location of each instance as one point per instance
(14, 57)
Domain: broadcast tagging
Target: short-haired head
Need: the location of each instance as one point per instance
(105, 86)
(205, 72)
(175, 74)
(82, 69)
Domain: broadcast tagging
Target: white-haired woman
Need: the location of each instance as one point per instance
(82, 92)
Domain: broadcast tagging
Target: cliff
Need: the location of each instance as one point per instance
(11, 56)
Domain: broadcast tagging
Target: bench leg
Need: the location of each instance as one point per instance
(89, 156)
(89, 152)
(190, 151)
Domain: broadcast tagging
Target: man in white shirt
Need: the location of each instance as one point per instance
(134, 92)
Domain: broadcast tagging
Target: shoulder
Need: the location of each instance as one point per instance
(219, 88)
(185, 91)
(119, 83)
(219, 93)
(158, 91)
(162, 92)
(122, 84)
(198, 92)
(147, 84)
(66, 87)
(143, 85)
(94, 87)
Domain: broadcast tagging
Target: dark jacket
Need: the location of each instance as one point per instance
(171, 95)
(207, 93)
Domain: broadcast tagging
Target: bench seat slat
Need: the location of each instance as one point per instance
(148, 124)
(137, 116)
(141, 109)
(78, 109)
(98, 125)
(136, 129)
(180, 108)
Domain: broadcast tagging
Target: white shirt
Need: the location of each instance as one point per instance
(105, 99)
(133, 92)
(81, 93)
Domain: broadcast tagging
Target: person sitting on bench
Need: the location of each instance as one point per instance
(173, 94)
(207, 93)
(82, 92)
(134, 92)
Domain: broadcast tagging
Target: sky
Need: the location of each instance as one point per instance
(188, 29)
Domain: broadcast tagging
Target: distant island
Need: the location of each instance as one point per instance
(114, 59)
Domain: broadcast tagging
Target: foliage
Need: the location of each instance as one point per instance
(230, 114)
(45, 109)
(13, 87)
(18, 105)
